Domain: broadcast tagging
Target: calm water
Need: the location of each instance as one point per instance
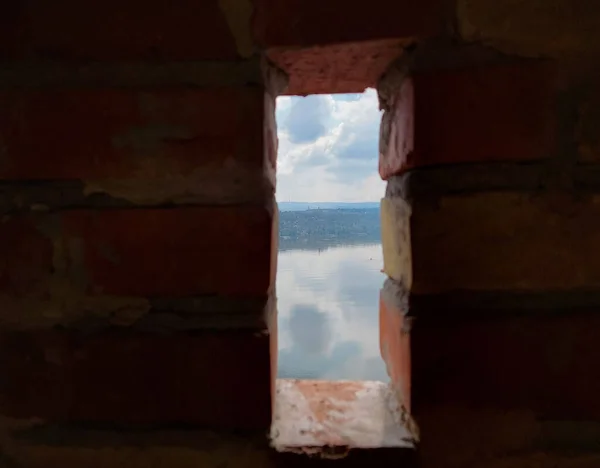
(328, 313)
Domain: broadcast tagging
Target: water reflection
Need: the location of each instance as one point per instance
(328, 313)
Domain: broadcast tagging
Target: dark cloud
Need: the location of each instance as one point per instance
(307, 119)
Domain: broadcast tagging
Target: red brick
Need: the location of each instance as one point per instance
(314, 22)
(545, 364)
(25, 256)
(484, 114)
(350, 67)
(173, 252)
(115, 30)
(95, 134)
(218, 379)
(397, 132)
(505, 241)
(394, 340)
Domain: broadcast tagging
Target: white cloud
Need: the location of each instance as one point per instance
(328, 313)
(328, 148)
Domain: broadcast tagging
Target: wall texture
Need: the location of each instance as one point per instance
(489, 152)
(138, 224)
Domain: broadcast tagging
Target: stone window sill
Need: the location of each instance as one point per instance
(331, 418)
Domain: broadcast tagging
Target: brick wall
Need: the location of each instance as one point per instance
(138, 237)
(138, 227)
(501, 286)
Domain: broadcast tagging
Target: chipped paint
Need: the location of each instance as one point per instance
(238, 14)
(311, 414)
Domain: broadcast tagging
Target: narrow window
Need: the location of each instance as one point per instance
(332, 382)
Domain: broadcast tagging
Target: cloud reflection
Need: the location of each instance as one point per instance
(328, 313)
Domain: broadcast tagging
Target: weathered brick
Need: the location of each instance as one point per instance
(218, 379)
(26, 256)
(394, 340)
(348, 67)
(172, 252)
(395, 240)
(505, 241)
(302, 22)
(113, 30)
(396, 143)
(540, 364)
(534, 28)
(110, 133)
(492, 113)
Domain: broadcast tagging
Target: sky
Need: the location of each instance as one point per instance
(328, 148)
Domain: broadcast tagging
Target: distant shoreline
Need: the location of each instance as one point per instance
(320, 229)
(325, 247)
(305, 206)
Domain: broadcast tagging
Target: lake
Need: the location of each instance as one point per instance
(328, 305)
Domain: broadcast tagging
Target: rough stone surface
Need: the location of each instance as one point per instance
(299, 23)
(477, 114)
(28, 443)
(397, 132)
(534, 28)
(155, 146)
(434, 181)
(90, 269)
(238, 14)
(156, 30)
(194, 251)
(310, 415)
(396, 240)
(505, 241)
(123, 377)
(506, 364)
(494, 113)
(338, 68)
